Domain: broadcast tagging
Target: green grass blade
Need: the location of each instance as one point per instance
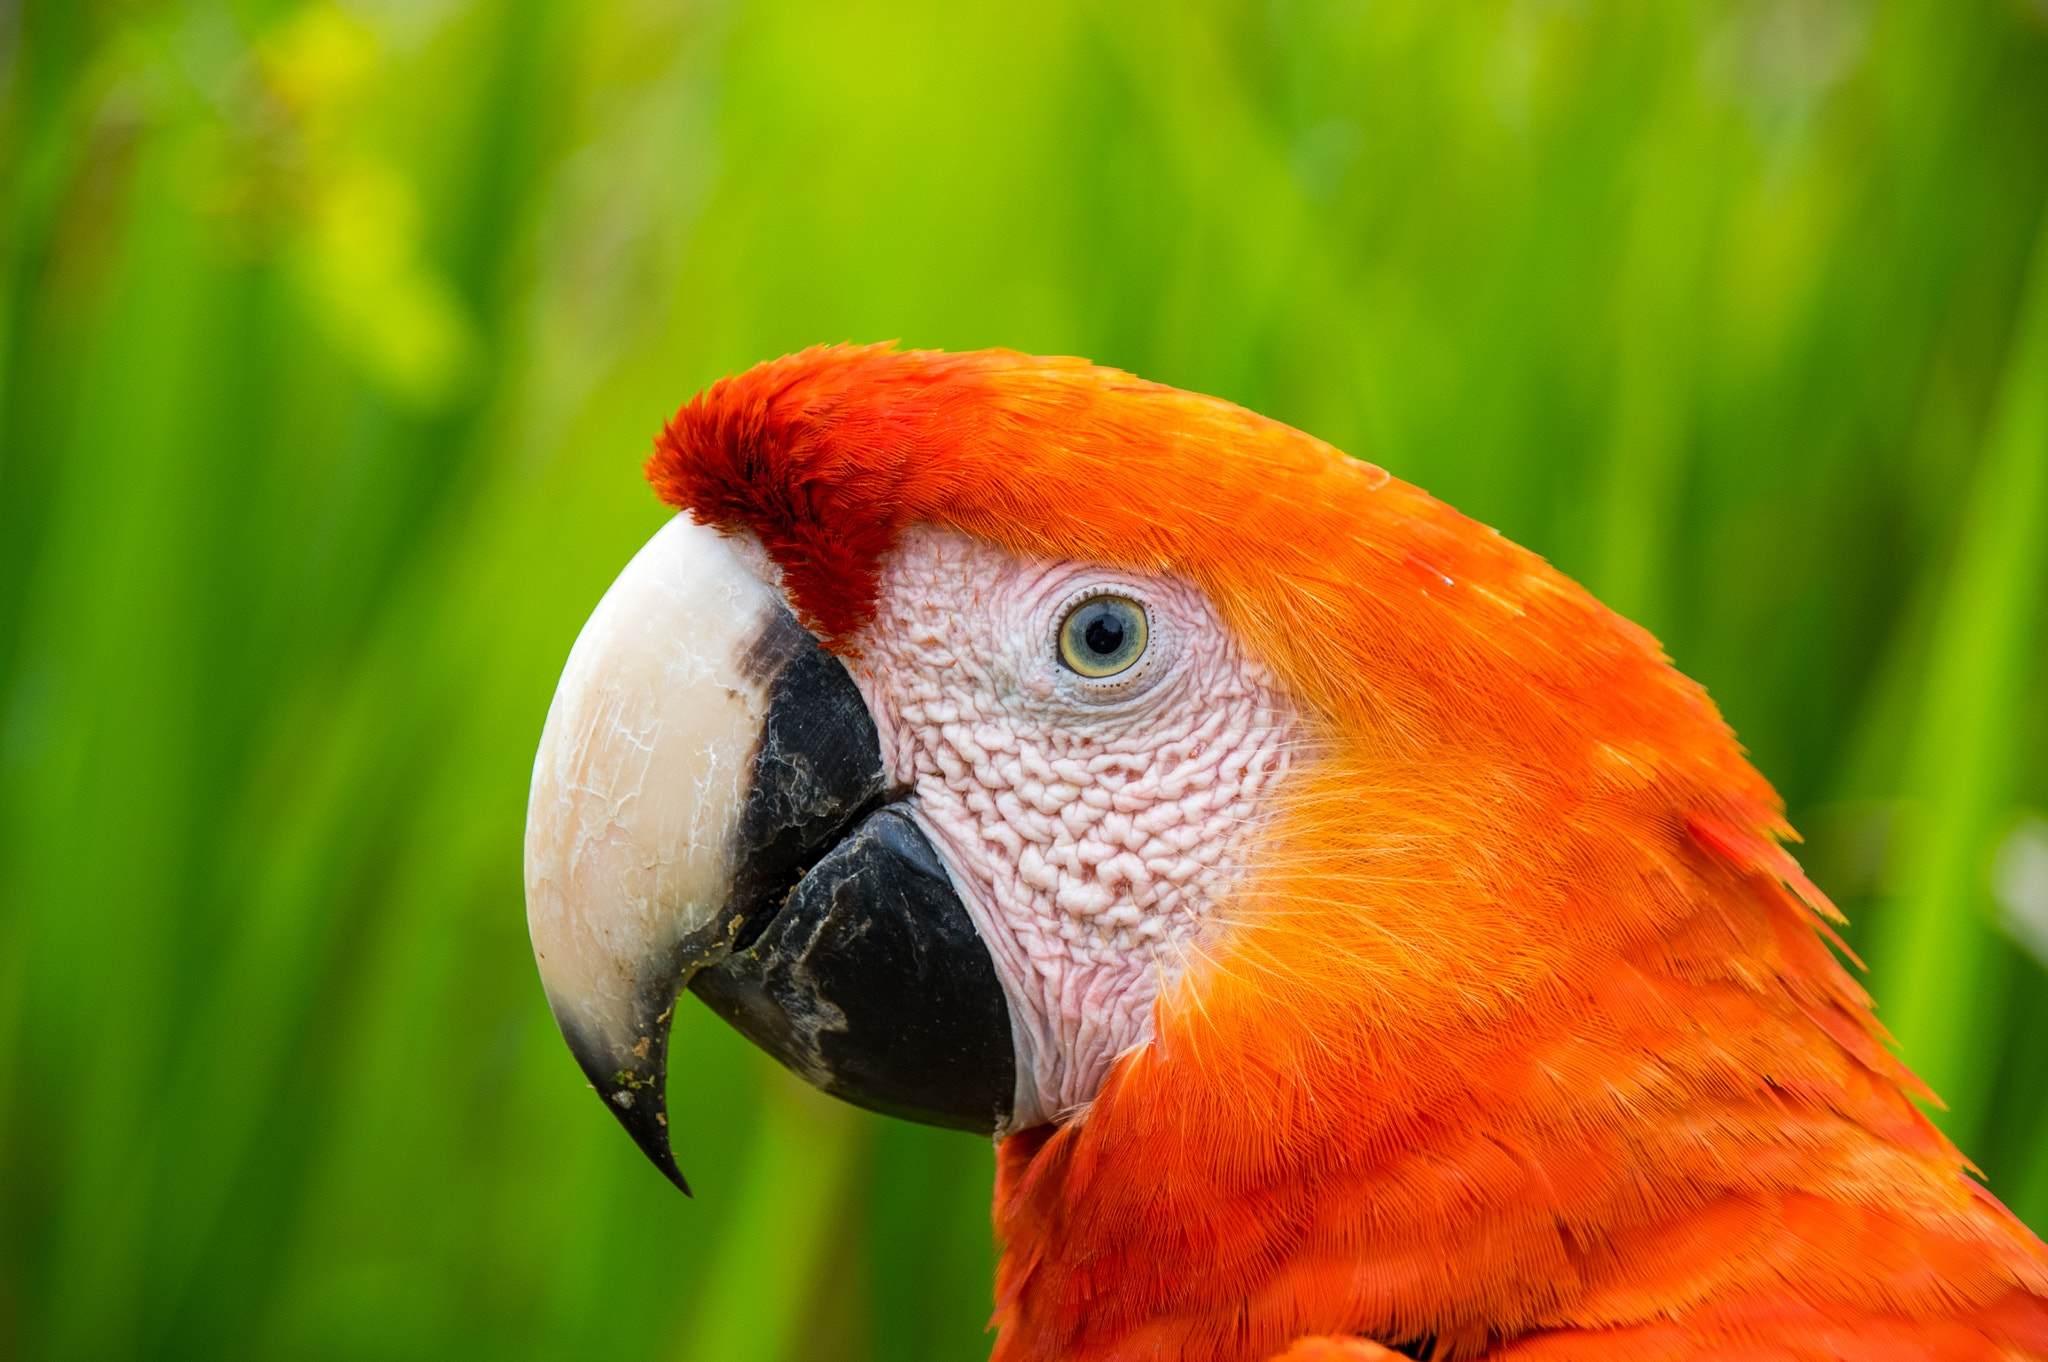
(1929, 959)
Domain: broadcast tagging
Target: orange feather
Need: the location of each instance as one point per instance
(1522, 1038)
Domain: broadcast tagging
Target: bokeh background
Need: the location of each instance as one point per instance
(331, 337)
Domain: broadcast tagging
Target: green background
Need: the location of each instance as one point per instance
(331, 338)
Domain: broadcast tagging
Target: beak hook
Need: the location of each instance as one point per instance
(637, 1089)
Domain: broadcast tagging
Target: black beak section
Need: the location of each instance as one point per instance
(765, 867)
(871, 983)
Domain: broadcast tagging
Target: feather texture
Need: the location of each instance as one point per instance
(1523, 1038)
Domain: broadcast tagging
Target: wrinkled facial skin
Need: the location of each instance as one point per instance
(1094, 829)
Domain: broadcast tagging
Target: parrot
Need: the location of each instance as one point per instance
(1357, 940)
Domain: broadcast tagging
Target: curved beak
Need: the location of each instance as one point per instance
(709, 810)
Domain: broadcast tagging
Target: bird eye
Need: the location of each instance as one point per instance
(1103, 636)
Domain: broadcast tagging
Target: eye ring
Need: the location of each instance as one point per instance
(1103, 636)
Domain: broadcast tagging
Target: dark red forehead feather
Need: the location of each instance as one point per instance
(816, 453)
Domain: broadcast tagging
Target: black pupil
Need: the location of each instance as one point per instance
(1104, 634)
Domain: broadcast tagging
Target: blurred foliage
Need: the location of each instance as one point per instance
(331, 336)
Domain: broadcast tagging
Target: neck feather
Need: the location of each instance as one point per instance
(1583, 1062)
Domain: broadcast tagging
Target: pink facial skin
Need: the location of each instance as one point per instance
(1092, 827)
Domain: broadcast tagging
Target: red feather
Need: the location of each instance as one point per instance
(1525, 1041)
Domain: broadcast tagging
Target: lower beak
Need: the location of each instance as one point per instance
(709, 811)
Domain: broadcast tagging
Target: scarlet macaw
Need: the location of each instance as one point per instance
(1360, 941)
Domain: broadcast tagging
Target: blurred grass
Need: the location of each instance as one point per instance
(331, 336)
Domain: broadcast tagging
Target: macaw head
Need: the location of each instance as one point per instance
(1333, 910)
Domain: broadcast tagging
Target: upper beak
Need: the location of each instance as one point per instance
(709, 810)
